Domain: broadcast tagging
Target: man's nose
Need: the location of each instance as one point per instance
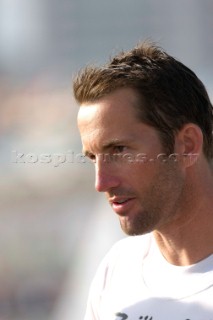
(105, 177)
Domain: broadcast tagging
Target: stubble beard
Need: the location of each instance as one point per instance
(160, 203)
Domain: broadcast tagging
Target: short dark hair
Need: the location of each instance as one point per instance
(171, 95)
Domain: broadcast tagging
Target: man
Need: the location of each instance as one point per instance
(145, 121)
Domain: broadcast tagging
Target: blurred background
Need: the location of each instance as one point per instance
(54, 228)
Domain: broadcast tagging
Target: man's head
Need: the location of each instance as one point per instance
(144, 104)
(169, 94)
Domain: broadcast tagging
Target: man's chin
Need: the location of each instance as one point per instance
(132, 228)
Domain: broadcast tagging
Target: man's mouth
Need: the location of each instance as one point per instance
(120, 201)
(121, 205)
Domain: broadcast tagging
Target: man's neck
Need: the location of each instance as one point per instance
(189, 238)
(184, 250)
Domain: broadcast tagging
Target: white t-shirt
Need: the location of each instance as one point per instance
(135, 282)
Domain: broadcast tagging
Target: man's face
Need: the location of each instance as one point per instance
(143, 190)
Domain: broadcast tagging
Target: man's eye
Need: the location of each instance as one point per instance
(119, 149)
(91, 157)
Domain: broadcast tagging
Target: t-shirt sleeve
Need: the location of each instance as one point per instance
(123, 251)
(99, 282)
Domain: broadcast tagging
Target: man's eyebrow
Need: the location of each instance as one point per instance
(114, 142)
(109, 144)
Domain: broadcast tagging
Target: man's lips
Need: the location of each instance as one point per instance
(121, 205)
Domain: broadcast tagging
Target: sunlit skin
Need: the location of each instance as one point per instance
(152, 195)
(150, 188)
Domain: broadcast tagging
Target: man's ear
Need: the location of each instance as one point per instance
(189, 143)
